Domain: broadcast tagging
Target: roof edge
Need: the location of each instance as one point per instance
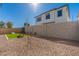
(51, 10)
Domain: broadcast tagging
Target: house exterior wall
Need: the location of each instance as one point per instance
(54, 17)
(66, 30)
(64, 17)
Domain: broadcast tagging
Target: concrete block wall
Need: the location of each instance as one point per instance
(10, 30)
(66, 30)
(63, 30)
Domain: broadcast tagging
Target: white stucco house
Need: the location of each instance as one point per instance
(56, 15)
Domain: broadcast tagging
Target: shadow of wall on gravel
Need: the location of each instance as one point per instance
(60, 40)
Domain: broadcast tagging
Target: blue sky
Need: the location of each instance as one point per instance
(20, 13)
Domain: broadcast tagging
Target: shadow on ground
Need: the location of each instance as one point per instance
(63, 41)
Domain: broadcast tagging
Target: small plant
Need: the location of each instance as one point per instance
(20, 36)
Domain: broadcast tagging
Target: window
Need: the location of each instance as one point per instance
(38, 19)
(59, 13)
(48, 16)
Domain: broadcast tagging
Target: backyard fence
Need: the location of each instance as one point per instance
(10, 30)
(66, 30)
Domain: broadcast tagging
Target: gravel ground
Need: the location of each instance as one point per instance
(37, 47)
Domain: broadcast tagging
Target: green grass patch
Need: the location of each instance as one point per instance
(16, 35)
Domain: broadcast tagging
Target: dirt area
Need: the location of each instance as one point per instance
(38, 47)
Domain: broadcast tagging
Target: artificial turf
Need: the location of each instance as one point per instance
(15, 35)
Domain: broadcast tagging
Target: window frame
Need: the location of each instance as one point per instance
(38, 19)
(47, 16)
(59, 13)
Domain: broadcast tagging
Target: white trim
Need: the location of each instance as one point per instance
(6, 37)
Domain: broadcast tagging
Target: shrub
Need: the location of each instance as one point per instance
(20, 36)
